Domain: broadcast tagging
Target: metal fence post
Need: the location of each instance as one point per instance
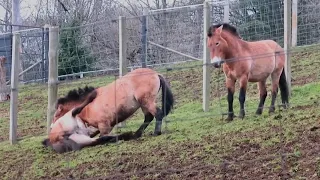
(287, 41)
(206, 59)
(16, 44)
(53, 73)
(226, 12)
(294, 22)
(46, 51)
(144, 38)
(122, 53)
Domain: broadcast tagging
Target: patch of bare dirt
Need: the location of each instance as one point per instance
(303, 80)
(246, 161)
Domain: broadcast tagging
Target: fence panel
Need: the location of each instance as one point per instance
(179, 30)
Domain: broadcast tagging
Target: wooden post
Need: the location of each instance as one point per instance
(226, 12)
(53, 74)
(14, 87)
(122, 54)
(144, 38)
(294, 22)
(287, 41)
(206, 59)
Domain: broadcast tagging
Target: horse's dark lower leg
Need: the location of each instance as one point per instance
(94, 133)
(242, 95)
(159, 117)
(242, 99)
(230, 104)
(273, 100)
(112, 139)
(263, 95)
(261, 103)
(147, 119)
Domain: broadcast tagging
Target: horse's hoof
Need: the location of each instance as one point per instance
(271, 110)
(285, 106)
(259, 112)
(229, 118)
(157, 133)
(137, 135)
(242, 114)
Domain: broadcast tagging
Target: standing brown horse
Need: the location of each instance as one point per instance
(119, 100)
(247, 62)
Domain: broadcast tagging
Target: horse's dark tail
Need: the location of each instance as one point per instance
(167, 96)
(284, 89)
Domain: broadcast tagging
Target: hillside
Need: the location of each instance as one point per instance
(194, 143)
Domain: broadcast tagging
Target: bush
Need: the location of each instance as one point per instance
(74, 55)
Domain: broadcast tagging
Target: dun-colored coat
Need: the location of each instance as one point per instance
(120, 99)
(247, 62)
(69, 132)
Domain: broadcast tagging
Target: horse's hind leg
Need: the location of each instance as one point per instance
(151, 110)
(263, 95)
(275, 83)
(159, 116)
(148, 117)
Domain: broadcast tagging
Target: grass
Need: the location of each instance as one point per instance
(194, 142)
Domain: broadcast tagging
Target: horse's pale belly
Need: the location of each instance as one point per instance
(258, 77)
(257, 73)
(261, 69)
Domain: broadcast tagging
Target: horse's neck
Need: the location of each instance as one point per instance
(236, 45)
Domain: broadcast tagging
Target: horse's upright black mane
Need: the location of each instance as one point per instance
(231, 29)
(76, 95)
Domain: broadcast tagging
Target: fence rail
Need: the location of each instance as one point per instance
(154, 47)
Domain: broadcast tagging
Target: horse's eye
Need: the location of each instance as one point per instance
(217, 44)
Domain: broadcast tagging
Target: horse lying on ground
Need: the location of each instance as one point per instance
(247, 62)
(69, 133)
(119, 100)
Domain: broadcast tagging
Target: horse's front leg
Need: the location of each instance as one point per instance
(104, 128)
(230, 83)
(242, 95)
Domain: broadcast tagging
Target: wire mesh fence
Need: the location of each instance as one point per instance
(34, 55)
(196, 145)
(88, 49)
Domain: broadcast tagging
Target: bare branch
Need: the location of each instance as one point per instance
(63, 6)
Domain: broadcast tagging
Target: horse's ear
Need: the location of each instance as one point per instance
(59, 108)
(219, 30)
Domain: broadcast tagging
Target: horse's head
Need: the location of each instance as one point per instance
(69, 131)
(218, 43)
(72, 99)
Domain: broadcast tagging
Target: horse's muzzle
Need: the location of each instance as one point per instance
(216, 62)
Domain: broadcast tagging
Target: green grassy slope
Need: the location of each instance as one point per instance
(194, 142)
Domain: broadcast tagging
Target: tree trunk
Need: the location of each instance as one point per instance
(4, 94)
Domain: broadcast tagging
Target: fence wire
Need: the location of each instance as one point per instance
(195, 144)
(200, 144)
